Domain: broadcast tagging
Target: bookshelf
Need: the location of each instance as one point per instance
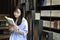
(4, 36)
(50, 14)
(3, 28)
(5, 10)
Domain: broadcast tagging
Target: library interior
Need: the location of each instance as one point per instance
(43, 18)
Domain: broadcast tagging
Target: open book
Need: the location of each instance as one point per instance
(9, 20)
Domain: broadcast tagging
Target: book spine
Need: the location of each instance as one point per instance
(43, 3)
(52, 24)
(59, 24)
(55, 24)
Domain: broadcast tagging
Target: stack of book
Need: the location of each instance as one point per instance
(55, 13)
(55, 2)
(55, 24)
(52, 24)
(46, 23)
(45, 13)
(3, 23)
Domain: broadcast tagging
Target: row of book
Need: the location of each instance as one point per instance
(4, 32)
(3, 23)
(52, 24)
(52, 13)
(50, 2)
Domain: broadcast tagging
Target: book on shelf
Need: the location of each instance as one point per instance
(58, 25)
(45, 13)
(9, 20)
(46, 2)
(55, 13)
(52, 24)
(3, 23)
(55, 24)
(46, 23)
(4, 32)
(43, 2)
(55, 2)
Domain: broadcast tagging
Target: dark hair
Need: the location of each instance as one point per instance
(20, 17)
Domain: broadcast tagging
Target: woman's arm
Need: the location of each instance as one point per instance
(17, 29)
(22, 31)
(11, 28)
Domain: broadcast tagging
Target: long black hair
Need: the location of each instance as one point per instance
(20, 17)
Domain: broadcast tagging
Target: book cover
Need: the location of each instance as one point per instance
(9, 20)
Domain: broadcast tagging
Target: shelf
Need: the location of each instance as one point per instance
(55, 7)
(52, 29)
(45, 18)
(4, 36)
(49, 18)
(4, 14)
(51, 7)
(45, 7)
(55, 18)
(2, 20)
(1, 28)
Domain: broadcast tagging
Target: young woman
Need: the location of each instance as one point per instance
(18, 30)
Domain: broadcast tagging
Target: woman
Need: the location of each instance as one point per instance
(19, 30)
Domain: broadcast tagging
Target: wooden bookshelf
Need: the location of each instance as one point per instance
(51, 7)
(4, 36)
(6, 7)
(52, 29)
(2, 28)
(51, 17)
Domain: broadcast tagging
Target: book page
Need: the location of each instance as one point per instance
(9, 20)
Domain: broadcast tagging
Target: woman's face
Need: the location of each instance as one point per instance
(17, 13)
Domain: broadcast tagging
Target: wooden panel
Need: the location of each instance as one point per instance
(4, 36)
(2, 28)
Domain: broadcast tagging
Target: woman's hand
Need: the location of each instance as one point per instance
(15, 27)
(11, 28)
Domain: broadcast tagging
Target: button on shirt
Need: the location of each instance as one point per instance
(24, 27)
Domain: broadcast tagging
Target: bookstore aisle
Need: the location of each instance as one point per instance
(43, 18)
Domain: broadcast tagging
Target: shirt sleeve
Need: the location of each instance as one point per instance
(25, 30)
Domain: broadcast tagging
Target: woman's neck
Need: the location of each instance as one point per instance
(16, 21)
